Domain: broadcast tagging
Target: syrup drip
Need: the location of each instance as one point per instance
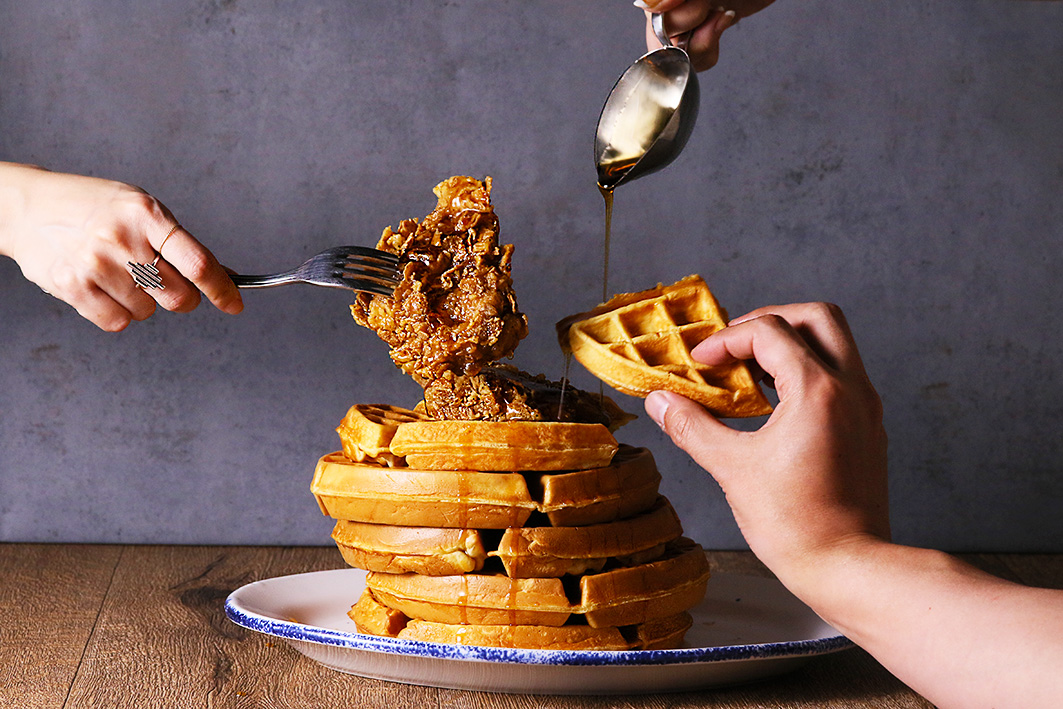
(511, 602)
(463, 605)
(607, 195)
(463, 500)
(564, 385)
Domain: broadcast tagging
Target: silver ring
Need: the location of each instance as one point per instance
(146, 275)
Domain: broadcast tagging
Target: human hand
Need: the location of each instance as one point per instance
(705, 20)
(813, 477)
(74, 235)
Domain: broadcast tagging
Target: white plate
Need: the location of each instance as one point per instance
(746, 628)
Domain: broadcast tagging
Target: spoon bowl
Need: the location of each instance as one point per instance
(648, 116)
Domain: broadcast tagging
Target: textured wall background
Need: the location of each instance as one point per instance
(902, 159)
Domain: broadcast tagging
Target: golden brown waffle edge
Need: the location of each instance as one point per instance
(374, 618)
(503, 445)
(468, 499)
(622, 596)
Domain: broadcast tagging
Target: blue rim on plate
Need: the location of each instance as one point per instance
(291, 630)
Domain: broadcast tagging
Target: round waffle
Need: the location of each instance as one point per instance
(466, 499)
(531, 552)
(621, 596)
(503, 445)
(428, 498)
(627, 486)
(393, 549)
(525, 552)
(374, 618)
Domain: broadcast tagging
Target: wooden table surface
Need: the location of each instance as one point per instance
(144, 626)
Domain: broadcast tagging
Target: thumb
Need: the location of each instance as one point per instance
(691, 427)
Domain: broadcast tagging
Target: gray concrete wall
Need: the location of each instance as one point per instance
(902, 159)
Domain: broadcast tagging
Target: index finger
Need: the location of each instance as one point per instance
(767, 339)
(824, 329)
(196, 263)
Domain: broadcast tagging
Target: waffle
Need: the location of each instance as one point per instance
(503, 445)
(393, 549)
(526, 552)
(430, 498)
(617, 597)
(531, 552)
(627, 486)
(641, 342)
(367, 429)
(375, 618)
(368, 492)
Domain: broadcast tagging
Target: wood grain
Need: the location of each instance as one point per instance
(144, 626)
(50, 597)
(162, 639)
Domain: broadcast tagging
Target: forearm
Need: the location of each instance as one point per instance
(10, 189)
(16, 181)
(955, 634)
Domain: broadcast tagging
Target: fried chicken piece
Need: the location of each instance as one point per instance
(454, 310)
(501, 392)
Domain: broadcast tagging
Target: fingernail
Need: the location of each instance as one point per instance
(657, 406)
(728, 20)
(645, 4)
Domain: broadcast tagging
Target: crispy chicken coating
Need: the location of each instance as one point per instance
(454, 316)
(455, 310)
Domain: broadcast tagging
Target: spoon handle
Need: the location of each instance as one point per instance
(658, 29)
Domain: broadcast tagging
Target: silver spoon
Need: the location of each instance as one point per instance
(649, 114)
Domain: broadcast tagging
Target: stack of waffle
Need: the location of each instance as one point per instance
(512, 534)
(501, 511)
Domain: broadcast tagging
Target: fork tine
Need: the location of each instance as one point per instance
(368, 286)
(344, 252)
(389, 274)
(357, 265)
(352, 267)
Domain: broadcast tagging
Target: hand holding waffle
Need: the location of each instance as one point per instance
(816, 472)
(808, 490)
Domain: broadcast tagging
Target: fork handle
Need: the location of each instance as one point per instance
(276, 279)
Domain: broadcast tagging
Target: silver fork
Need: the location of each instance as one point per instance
(353, 267)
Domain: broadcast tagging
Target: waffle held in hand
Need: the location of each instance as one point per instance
(641, 342)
